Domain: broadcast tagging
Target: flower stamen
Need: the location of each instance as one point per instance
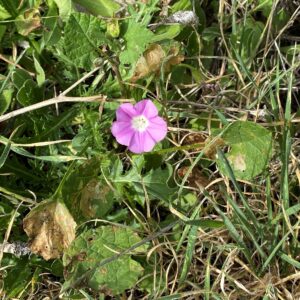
(139, 123)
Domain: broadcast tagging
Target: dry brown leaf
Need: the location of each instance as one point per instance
(152, 59)
(195, 179)
(211, 151)
(51, 229)
(194, 138)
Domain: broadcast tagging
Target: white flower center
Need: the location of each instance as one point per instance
(139, 123)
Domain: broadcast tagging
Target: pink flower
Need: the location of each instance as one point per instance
(139, 127)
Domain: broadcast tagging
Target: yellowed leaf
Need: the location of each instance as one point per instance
(28, 21)
(51, 229)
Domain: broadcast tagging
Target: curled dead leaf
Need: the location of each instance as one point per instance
(50, 228)
(213, 143)
(195, 179)
(152, 60)
(194, 138)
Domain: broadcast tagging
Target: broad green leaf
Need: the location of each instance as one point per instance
(65, 8)
(5, 99)
(104, 8)
(82, 37)
(137, 37)
(155, 182)
(91, 260)
(87, 194)
(4, 14)
(250, 149)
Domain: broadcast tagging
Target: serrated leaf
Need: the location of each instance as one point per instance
(51, 229)
(250, 149)
(137, 38)
(82, 37)
(91, 248)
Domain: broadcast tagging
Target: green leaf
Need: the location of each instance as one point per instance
(5, 100)
(4, 14)
(17, 279)
(65, 8)
(85, 259)
(4, 154)
(247, 38)
(104, 8)
(40, 74)
(167, 32)
(250, 149)
(137, 37)
(155, 181)
(82, 37)
(53, 33)
(19, 77)
(29, 93)
(206, 223)
(86, 194)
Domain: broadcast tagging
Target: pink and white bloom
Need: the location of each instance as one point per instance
(139, 127)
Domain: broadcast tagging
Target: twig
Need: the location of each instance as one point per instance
(13, 64)
(79, 81)
(56, 100)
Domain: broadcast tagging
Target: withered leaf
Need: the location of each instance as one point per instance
(195, 179)
(152, 60)
(28, 22)
(214, 144)
(51, 229)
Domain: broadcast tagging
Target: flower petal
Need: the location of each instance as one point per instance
(123, 132)
(147, 108)
(125, 112)
(141, 142)
(157, 129)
